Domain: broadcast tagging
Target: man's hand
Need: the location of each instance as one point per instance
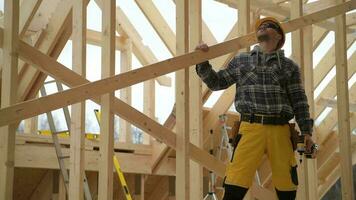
(202, 46)
(308, 141)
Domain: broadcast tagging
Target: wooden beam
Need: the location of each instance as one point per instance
(182, 104)
(195, 100)
(25, 110)
(46, 43)
(28, 11)
(77, 125)
(8, 96)
(107, 117)
(334, 174)
(332, 103)
(310, 164)
(326, 64)
(267, 8)
(343, 108)
(331, 121)
(143, 122)
(44, 156)
(298, 57)
(94, 38)
(158, 23)
(125, 134)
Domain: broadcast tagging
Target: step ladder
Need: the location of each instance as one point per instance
(225, 141)
(57, 146)
(120, 174)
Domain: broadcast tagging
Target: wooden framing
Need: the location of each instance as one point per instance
(182, 104)
(8, 97)
(195, 100)
(77, 125)
(107, 116)
(24, 110)
(125, 94)
(343, 108)
(158, 157)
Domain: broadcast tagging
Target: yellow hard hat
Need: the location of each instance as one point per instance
(275, 21)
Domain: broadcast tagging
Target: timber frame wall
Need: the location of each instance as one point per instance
(179, 146)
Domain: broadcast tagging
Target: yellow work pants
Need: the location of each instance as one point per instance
(257, 139)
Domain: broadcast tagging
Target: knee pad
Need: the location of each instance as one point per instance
(286, 195)
(233, 192)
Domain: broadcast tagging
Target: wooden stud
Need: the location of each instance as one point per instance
(28, 11)
(107, 117)
(182, 104)
(77, 125)
(195, 100)
(125, 94)
(298, 57)
(310, 164)
(8, 96)
(343, 108)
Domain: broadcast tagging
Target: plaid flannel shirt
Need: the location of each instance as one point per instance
(267, 84)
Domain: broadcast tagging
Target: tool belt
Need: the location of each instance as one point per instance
(264, 119)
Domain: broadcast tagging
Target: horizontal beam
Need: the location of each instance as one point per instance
(90, 90)
(327, 102)
(44, 156)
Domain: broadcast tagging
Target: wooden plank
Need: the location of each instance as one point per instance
(94, 38)
(298, 57)
(77, 125)
(158, 23)
(26, 110)
(310, 164)
(347, 188)
(46, 43)
(8, 96)
(332, 103)
(125, 134)
(107, 117)
(33, 156)
(195, 100)
(28, 11)
(89, 143)
(182, 104)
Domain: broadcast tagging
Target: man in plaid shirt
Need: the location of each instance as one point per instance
(269, 93)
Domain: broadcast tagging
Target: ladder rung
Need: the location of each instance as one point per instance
(63, 157)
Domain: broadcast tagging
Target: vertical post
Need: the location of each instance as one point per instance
(107, 117)
(125, 94)
(310, 164)
(195, 100)
(77, 126)
(182, 104)
(243, 18)
(8, 96)
(243, 27)
(347, 188)
(149, 96)
(143, 180)
(31, 125)
(298, 57)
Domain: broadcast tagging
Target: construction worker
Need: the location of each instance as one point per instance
(269, 93)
